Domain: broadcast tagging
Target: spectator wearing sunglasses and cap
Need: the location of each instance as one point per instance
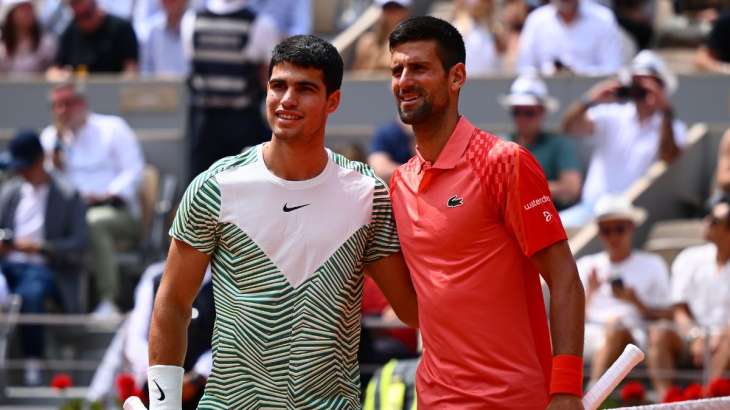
(701, 302)
(625, 288)
(528, 103)
(632, 124)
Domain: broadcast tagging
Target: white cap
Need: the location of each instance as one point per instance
(649, 63)
(618, 208)
(529, 89)
(402, 3)
(225, 6)
(9, 5)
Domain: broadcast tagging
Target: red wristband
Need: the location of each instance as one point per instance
(567, 375)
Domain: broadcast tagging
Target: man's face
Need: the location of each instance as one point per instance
(528, 118)
(67, 107)
(297, 104)
(174, 7)
(419, 83)
(652, 91)
(616, 235)
(717, 227)
(84, 12)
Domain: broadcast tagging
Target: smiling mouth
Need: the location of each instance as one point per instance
(287, 116)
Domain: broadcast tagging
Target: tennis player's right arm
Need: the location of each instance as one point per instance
(181, 281)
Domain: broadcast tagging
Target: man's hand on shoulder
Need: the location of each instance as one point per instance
(565, 402)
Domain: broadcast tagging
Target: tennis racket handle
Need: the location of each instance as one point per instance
(630, 357)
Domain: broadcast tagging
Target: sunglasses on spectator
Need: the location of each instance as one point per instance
(525, 112)
(613, 230)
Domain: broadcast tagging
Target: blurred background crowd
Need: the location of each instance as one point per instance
(109, 107)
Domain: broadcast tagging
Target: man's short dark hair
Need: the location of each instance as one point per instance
(309, 51)
(449, 43)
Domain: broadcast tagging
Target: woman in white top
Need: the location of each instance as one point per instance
(24, 47)
(484, 38)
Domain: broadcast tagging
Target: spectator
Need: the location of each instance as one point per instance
(102, 158)
(371, 51)
(625, 288)
(226, 91)
(528, 103)
(96, 41)
(632, 125)
(292, 17)
(25, 48)
(45, 235)
(484, 37)
(198, 359)
(635, 18)
(392, 145)
(714, 55)
(577, 36)
(162, 52)
(378, 345)
(129, 348)
(701, 295)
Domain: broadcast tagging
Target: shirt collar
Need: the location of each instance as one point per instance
(454, 148)
(582, 13)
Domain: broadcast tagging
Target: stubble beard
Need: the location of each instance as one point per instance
(418, 115)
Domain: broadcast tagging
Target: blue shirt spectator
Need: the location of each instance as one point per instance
(292, 16)
(162, 52)
(391, 146)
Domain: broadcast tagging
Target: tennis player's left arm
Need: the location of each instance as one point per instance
(567, 312)
(567, 298)
(391, 275)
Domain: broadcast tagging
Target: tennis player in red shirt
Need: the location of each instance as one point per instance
(477, 228)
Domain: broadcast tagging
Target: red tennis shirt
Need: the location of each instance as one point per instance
(468, 224)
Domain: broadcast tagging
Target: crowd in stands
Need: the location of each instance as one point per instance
(75, 188)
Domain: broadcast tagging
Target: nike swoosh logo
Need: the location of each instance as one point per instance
(162, 393)
(294, 208)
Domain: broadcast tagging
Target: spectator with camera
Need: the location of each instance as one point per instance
(44, 236)
(528, 104)
(632, 123)
(625, 288)
(701, 305)
(102, 158)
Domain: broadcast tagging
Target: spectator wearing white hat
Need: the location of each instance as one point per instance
(625, 288)
(577, 36)
(372, 52)
(701, 303)
(632, 123)
(24, 47)
(528, 103)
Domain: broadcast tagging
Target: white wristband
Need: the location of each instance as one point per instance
(165, 383)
